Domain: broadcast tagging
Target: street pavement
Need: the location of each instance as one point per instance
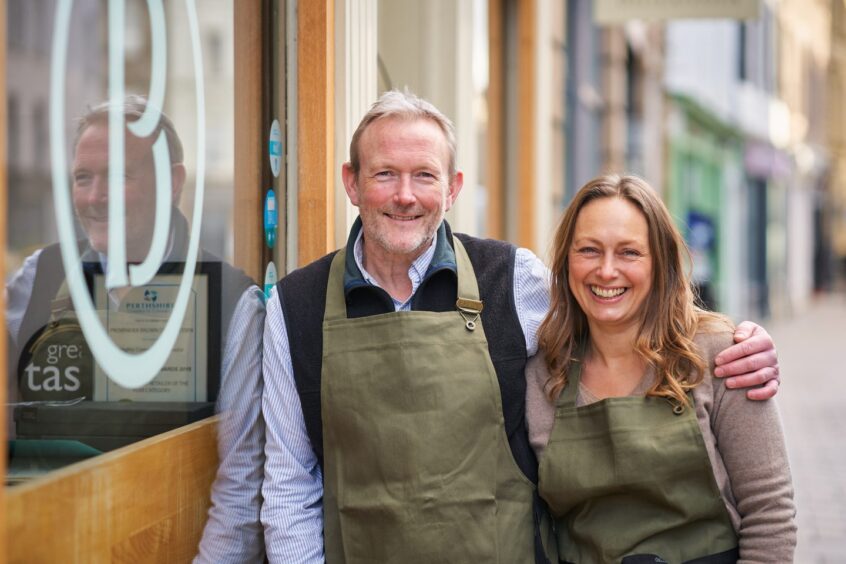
(812, 356)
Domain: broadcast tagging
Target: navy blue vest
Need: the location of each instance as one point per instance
(302, 295)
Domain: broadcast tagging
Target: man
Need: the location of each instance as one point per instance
(233, 532)
(394, 387)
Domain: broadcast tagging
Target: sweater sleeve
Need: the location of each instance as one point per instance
(750, 442)
(540, 411)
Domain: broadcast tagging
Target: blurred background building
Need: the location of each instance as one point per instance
(833, 224)
(738, 122)
(733, 111)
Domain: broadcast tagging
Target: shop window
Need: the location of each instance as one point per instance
(117, 320)
(17, 13)
(14, 134)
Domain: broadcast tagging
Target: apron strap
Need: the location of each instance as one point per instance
(567, 397)
(468, 304)
(61, 304)
(468, 289)
(336, 303)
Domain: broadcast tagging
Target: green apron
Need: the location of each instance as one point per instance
(417, 466)
(628, 479)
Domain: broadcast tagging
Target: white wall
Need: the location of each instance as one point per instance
(428, 48)
(800, 246)
(701, 62)
(356, 74)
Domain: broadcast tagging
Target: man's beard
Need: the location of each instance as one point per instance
(395, 242)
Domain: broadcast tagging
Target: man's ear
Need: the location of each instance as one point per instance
(350, 179)
(455, 186)
(177, 181)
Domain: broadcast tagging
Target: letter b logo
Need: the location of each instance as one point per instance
(126, 369)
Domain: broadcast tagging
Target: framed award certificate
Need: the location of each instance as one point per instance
(134, 318)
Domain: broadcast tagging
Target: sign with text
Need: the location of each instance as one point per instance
(134, 319)
(56, 365)
(608, 12)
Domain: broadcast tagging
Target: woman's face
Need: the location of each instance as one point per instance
(610, 266)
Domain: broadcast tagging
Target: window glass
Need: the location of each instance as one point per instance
(120, 292)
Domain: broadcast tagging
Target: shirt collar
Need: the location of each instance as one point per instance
(104, 259)
(437, 256)
(416, 272)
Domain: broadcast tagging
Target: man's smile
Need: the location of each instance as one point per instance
(96, 217)
(397, 217)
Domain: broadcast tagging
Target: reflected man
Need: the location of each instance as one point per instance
(233, 532)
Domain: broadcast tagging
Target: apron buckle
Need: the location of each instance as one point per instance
(469, 311)
(60, 305)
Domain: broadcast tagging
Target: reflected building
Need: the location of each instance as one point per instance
(28, 56)
(30, 32)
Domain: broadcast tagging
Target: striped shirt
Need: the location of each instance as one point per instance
(233, 531)
(292, 512)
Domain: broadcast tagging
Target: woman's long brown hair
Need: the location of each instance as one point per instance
(670, 318)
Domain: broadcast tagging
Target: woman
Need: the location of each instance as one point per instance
(643, 457)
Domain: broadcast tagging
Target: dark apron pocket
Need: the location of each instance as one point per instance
(727, 557)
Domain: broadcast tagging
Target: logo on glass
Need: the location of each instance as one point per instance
(129, 370)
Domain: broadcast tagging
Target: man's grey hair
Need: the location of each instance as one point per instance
(133, 108)
(406, 106)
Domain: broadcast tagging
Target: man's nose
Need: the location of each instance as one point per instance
(404, 195)
(99, 189)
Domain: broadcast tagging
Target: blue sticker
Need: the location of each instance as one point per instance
(274, 147)
(269, 278)
(271, 218)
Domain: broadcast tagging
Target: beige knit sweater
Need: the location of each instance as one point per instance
(745, 445)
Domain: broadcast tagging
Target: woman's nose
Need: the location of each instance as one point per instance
(607, 266)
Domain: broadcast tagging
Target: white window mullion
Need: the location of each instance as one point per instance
(356, 77)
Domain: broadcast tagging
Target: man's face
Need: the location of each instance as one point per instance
(403, 188)
(91, 190)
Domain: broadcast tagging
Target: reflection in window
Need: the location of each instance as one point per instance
(40, 26)
(14, 132)
(214, 43)
(78, 411)
(17, 20)
(39, 135)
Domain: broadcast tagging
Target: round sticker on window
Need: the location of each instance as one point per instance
(269, 278)
(271, 218)
(274, 147)
(56, 364)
